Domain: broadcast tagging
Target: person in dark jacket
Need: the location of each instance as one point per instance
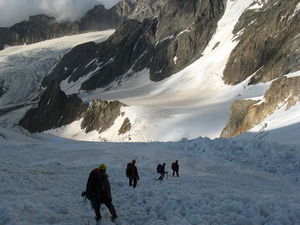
(98, 191)
(162, 172)
(133, 174)
(175, 168)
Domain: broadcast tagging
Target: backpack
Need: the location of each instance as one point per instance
(95, 183)
(159, 168)
(129, 170)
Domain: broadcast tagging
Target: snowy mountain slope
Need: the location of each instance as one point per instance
(192, 103)
(221, 182)
(22, 68)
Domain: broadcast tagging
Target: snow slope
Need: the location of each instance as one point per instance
(224, 181)
(192, 103)
(247, 180)
(24, 67)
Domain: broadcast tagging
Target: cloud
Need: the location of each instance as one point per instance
(14, 11)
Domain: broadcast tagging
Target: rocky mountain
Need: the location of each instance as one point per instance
(99, 18)
(123, 8)
(37, 28)
(268, 48)
(268, 43)
(54, 109)
(245, 114)
(166, 37)
(171, 46)
(156, 43)
(42, 27)
(101, 115)
(146, 9)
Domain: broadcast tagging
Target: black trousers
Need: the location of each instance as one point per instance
(110, 207)
(175, 171)
(132, 182)
(96, 203)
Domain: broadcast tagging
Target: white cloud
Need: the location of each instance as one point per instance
(14, 11)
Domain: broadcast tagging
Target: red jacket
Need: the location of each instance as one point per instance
(175, 166)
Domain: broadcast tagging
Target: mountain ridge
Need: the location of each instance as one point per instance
(103, 70)
(42, 27)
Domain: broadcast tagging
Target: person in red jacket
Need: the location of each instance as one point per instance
(132, 173)
(175, 168)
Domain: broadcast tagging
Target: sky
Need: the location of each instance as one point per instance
(14, 11)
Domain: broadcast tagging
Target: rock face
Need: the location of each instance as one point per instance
(123, 8)
(268, 45)
(165, 44)
(100, 18)
(126, 126)
(65, 67)
(54, 109)
(109, 62)
(245, 114)
(146, 9)
(238, 112)
(38, 28)
(101, 115)
(181, 36)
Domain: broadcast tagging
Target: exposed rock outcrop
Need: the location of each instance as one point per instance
(54, 109)
(99, 18)
(101, 115)
(268, 43)
(181, 36)
(146, 9)
(245, 114)
(65, 68)
(123, 8)
(126, 126)
(238, 112)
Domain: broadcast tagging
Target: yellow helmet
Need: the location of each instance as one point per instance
(102, 166)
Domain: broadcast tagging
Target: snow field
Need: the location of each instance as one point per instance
(24, 67)
(43, 177)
